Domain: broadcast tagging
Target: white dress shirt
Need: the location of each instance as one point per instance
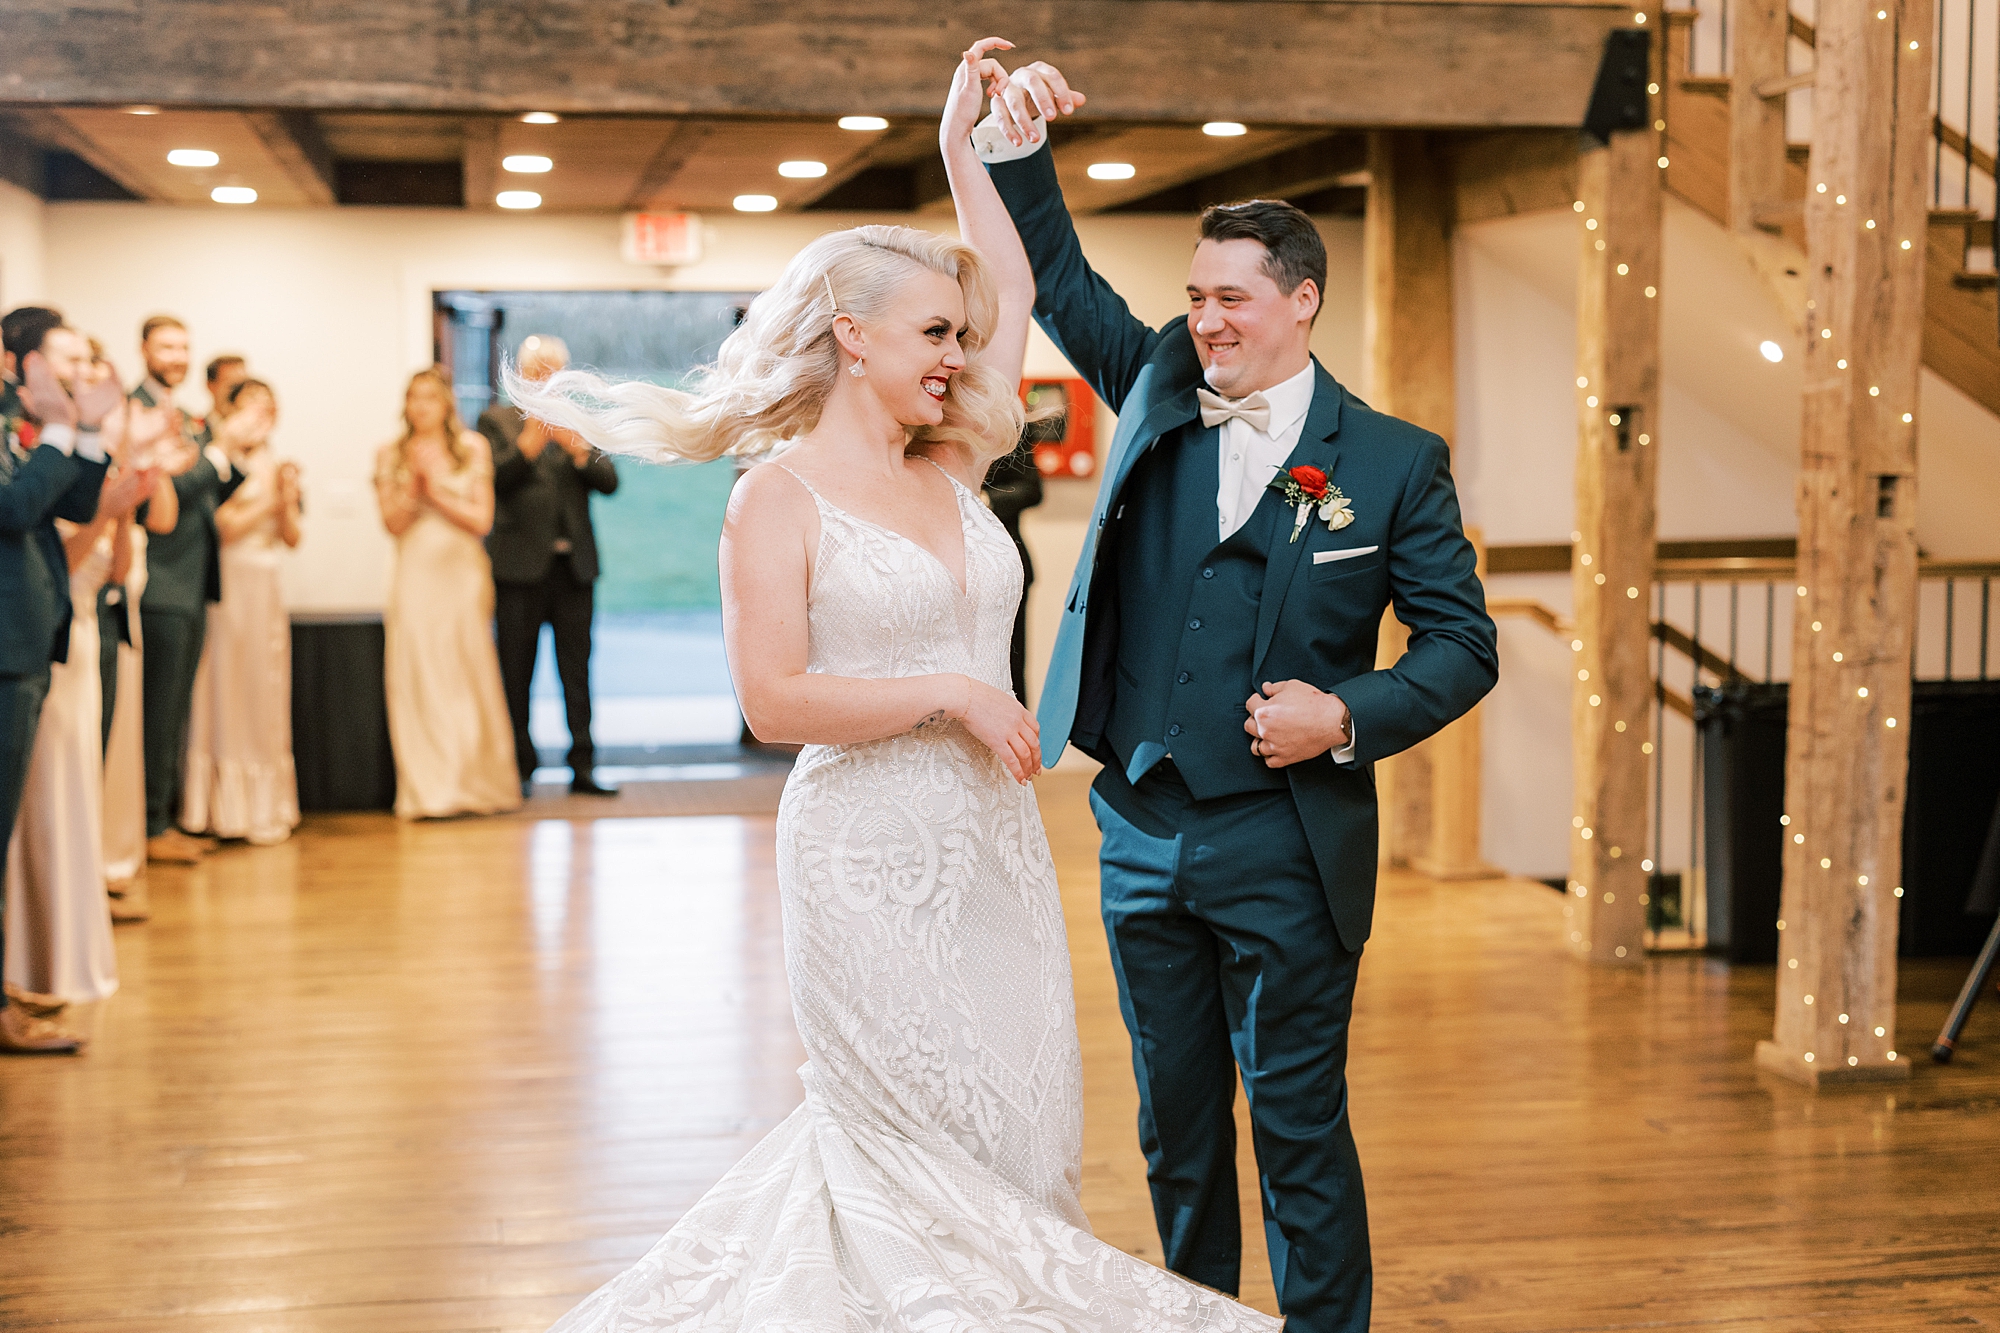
(1248, 458)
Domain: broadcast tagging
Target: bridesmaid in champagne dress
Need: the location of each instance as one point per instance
(448, 718)
(240, 781)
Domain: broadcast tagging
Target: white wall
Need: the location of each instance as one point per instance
(22, 270)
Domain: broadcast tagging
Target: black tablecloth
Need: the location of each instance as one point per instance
(340, 713)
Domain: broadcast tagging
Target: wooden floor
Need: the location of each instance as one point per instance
(450, 1077)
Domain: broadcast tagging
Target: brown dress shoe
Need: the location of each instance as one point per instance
(129, 900)
(173, 850)
(22, 1034)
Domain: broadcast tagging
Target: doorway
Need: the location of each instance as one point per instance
(659, 680)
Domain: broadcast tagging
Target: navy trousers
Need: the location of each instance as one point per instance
(173, 652)
(1227, 958)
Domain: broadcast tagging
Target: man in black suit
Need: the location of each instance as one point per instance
(183, 575)
(545, 561)
(52, 465)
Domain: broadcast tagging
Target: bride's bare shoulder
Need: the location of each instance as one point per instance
(770, 493)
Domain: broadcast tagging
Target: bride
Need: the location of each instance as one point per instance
(930, 1180)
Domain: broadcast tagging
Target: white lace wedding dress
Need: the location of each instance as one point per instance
(929, 1182)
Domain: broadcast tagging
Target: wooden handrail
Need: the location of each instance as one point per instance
(1964, 147)
(1680, 641)
(1540, 612)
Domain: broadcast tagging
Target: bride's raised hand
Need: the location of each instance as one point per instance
(997, 720)
(977, 77)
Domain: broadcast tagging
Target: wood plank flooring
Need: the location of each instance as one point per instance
(449, 1077)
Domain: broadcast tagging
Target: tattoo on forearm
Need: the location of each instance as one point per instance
(938, 716)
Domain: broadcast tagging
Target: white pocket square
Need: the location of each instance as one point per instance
(1328, 557)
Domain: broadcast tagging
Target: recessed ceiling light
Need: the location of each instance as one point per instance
(1112, 171)
(1772, 352)
(863, 123)
(540, 118)
(1224, 129)
(754, 203)
(193, 157)
(142, 111)
(802, 171)
(233, 194)
(518, 199)
(527, 164)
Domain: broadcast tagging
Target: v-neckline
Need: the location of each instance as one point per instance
(962, 585)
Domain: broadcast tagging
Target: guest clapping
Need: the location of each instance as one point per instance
(52, 465)
(447, 715)
(239, 780)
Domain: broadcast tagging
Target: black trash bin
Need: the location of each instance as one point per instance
(1743, 776)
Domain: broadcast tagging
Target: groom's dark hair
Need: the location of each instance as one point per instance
(1294, 249)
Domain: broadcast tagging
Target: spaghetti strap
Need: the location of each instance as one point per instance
(956, 484)
(800, 480)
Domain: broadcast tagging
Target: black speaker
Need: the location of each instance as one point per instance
(1618, 99)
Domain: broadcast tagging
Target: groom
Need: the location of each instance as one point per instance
(1217, 655)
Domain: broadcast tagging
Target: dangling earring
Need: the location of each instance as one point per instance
(857, 370)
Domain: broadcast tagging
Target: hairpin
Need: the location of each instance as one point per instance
(827, 278)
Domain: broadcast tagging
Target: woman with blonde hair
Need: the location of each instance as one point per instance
(930, 1180)
(448, 722)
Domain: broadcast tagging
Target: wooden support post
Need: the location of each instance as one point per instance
(1452, 851)
(1846, 754)
(1759, 33)
(1618, 444)
(1407, 318)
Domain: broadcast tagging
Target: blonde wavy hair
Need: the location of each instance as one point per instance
(773, 375)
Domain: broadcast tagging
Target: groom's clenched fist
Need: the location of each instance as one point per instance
(1291, 722)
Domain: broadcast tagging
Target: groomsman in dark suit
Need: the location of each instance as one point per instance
(183, 575)
(52, 465)
(545, 561)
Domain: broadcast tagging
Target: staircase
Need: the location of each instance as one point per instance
(1962, 289)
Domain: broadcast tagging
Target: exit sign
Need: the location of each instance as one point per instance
(661, 238)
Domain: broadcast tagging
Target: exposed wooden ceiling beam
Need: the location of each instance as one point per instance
(479, 156)
(1365, 62)
(897, 148)
(1293, 173)
(1166, 155)
(53, 130)
(679, 146)
(295, 140)
(20, 159)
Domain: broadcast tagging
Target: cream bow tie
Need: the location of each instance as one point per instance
(1253, 410)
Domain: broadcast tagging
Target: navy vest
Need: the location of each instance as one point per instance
(1187, 621)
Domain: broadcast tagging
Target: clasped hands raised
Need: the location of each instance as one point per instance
(1036, 92)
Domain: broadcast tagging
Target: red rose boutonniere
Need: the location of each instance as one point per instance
(1306, 488)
